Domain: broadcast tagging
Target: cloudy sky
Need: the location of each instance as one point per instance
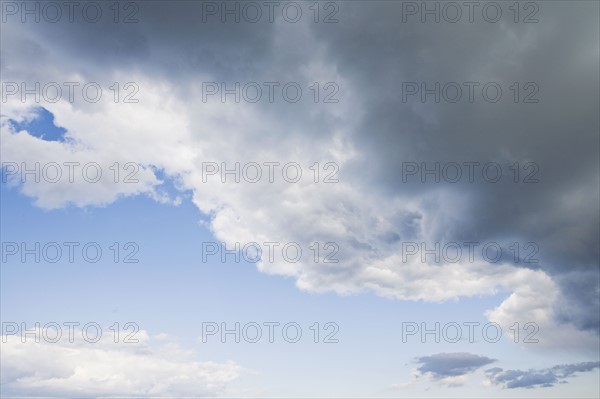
(300, 199)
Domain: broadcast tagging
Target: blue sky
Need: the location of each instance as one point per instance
(170, 135)
(43, 126)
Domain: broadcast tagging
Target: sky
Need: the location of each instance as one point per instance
(300, 199)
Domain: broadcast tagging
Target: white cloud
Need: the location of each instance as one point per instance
(152, 367)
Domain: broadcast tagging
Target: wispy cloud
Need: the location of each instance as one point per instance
(535, 378)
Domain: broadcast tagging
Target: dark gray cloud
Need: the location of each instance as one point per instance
(444, 365)
(559, 134)
(538, 378)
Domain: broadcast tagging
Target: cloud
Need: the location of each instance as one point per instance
(151, 367)
(538, 378)
(560, 213)
(444, 365)
(369, 133)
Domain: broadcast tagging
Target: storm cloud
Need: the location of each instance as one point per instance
(371, 133)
